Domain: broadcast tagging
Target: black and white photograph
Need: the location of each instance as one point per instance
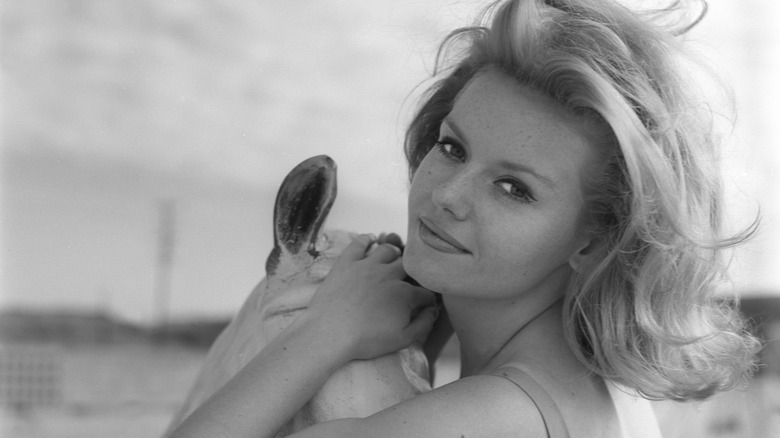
(419, 218)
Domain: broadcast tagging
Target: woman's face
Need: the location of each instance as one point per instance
(495, 207)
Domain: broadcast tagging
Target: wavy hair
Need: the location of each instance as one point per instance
(646, 313)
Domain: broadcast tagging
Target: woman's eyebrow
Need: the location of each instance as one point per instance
(517, 167)
(454, 128)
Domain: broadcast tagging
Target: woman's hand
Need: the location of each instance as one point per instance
(365, 302)
(362, 310)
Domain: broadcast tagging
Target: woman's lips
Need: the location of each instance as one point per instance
(438, 239)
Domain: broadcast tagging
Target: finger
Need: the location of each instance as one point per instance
(422, 297)
(356, 250)
(392, 238)
(395, 270)
(419, 328)
(385, 253)
(416, 299)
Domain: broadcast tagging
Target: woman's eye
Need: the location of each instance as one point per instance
(451, 150)
(515, 190)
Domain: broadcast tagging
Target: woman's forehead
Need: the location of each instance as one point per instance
(506, 99)
(495, 110)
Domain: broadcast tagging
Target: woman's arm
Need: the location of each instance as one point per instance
(476, 406)
(361, 311)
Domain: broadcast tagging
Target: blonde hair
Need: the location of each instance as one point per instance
(646, 314)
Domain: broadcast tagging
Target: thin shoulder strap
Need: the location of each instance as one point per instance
(553, 420)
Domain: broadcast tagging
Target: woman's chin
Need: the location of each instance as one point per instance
(413, 267)
(422, 277)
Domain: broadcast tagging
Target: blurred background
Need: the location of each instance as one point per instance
(143, 143)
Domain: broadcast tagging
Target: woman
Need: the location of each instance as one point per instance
(565, 205)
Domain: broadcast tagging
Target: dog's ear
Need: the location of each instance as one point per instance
(302, 205)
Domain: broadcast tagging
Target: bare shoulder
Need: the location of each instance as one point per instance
(477, 406)
(582, 398)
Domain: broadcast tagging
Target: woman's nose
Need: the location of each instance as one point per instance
(454, 196)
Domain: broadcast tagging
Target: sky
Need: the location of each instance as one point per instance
(111, 108)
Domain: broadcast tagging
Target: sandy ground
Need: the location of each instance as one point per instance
(134, 390)
(119, 391)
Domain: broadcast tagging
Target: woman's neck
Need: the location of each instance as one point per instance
(495, 332)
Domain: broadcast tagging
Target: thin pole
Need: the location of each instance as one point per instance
(166, 234)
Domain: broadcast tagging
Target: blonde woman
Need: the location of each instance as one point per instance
(565, 204)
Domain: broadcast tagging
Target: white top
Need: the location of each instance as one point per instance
(636, 415)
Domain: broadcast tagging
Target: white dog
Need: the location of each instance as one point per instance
(301, 258)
